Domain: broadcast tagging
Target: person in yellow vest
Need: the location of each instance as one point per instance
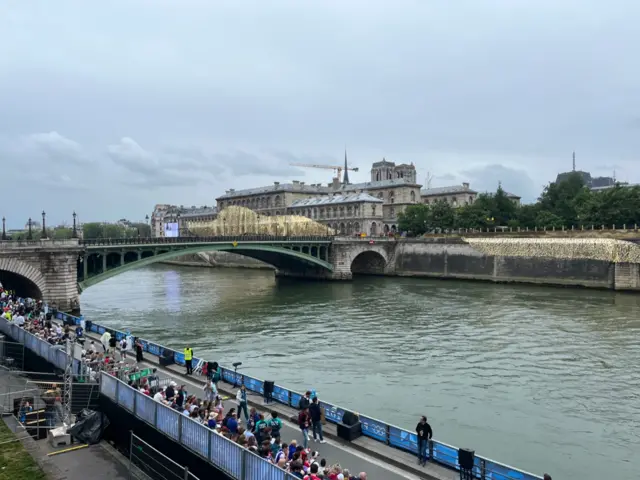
(188, 358)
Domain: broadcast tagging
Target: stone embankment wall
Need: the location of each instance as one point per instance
(587, 262)
(218, 259)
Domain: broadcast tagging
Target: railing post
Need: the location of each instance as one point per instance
(388, 435)
(289, 399)
(135, 402)
(430, 449)
(155, 414)
(180, 428)
(117, 392)
(483, 469)
(209, 445)
(243, 468)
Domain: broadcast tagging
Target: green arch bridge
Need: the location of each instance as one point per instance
(104, 258)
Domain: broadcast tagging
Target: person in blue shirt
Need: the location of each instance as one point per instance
(211, 423)
(232, 423)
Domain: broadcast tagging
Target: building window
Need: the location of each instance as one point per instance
(391, 197)
(413, 196)
(278, 201)
(349, 211)
(392, 212)
(373, 209)
(470, 199)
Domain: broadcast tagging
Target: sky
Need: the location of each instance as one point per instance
(107, 108)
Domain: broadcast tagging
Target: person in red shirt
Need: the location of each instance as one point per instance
(304, 419)
(314, 473)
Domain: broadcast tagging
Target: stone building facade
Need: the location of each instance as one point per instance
(395, 185)
(352, 214)
(271, 200)
(164, 213)
(456, 195)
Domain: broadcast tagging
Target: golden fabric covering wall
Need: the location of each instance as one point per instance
(236, 220)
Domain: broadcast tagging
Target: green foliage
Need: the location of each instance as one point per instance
(564, 204)
(114, 230)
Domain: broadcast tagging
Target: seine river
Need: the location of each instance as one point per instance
(540, 378)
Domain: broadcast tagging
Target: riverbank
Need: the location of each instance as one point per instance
(218, 260)
(15, 462)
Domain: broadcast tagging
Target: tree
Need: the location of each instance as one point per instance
(504, 210)
(560, 198)
(546, 219)
(415, 219)
(442, 215)
(108, 230)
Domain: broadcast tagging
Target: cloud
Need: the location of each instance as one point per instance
(57, 147)
(517, 181)
(176, 104)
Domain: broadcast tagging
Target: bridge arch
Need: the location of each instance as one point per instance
(369, 262)
(277, 256)
(25, 279)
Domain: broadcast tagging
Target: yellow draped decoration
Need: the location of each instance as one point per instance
(238, 221)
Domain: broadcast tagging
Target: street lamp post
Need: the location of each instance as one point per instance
(178, 220)
(44, 228)
(146, 218)
(4, 231)
(74, 234)
(30, 234)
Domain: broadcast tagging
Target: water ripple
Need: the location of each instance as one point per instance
(545, 379)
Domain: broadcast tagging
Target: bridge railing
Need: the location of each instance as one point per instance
(224, 238)
(389, 434)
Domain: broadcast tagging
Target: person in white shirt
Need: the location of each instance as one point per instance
(158, 397)
(19, 320)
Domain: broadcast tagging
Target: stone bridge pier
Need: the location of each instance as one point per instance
(349, 256)
(42, 269)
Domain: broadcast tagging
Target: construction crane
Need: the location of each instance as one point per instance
(338, 169)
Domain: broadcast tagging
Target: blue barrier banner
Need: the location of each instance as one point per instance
(332, 413)
(374, 428)
(295, 399)
(119, 335)
(179, 358)
(254, 385)
(154, 349)
(281, 394)
(404, 439)
(497, 471)
(195, 437)
(101, 329)
(446, 455)
(94, 328)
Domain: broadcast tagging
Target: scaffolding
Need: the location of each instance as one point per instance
(11, 355)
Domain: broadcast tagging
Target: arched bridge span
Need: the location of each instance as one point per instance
(103, 259)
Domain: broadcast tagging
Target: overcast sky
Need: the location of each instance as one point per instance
(111, 107)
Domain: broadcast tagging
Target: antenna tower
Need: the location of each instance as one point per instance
(428, 179)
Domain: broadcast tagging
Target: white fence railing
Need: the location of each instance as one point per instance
(236, 461)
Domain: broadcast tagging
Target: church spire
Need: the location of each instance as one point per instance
(345, 179)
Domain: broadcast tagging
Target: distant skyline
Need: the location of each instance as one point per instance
(109, 108)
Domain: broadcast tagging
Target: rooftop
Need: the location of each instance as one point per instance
(453, 189)
(276, 187)
(358, 197)
(394, 182)
(199, 211)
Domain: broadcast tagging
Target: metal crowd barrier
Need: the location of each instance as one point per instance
(394, 436)
(54, 354)
(236, 461)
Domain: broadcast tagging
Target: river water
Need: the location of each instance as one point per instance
(545, 379)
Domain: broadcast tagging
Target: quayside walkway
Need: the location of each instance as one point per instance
(389, 444)
(384, 451)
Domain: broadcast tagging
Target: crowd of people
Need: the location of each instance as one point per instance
(259, 432)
